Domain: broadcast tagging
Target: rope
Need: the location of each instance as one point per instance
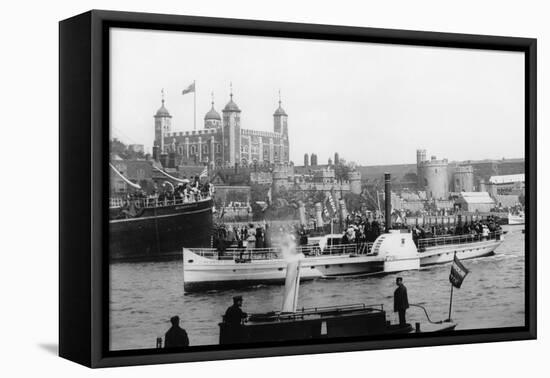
(135, 186)
(171, 177)
(426, 312)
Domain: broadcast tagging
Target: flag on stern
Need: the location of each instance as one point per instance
(189, 89)
(458, 273)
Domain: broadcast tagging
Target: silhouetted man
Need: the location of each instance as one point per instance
(400, 300)
(176, 336)
(234, 315)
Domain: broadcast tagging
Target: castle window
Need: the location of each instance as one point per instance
(193, 149)
(218, 147)
(180, 150)
(205, 149)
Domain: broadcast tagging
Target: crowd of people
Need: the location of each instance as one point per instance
(242, 236)
(195, 190)
(191, 191)
(356, 229)
(476, 228)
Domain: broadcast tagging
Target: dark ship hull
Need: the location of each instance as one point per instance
(312, 324)
(157, 233)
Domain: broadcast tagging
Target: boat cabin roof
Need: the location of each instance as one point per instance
(315, 313)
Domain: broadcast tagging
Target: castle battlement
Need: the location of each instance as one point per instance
(266, 134)
(191, 133)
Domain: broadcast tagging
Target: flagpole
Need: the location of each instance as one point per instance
(194, 106)
(451, 300)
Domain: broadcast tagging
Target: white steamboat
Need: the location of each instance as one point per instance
(392, 251)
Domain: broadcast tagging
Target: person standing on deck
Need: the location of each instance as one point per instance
(234, 315)
(176, 337)
(400, 300)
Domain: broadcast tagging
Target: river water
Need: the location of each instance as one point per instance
(145, 295)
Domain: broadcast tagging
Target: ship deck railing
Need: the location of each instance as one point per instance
(273, 253)
(314, 311)
(154, 202)
(425, 243)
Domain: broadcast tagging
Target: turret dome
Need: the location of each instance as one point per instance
(231, 106)
(212, 114)
(280, 111)
(163, 112)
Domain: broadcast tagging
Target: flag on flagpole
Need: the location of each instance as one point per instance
(458, 273)
(204, 172)
(329, 207)
(189, 89)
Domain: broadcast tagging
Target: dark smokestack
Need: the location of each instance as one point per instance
(172, 160)
(387, 185)
(156, 153)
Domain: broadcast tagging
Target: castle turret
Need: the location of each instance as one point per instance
(306, 160)
(313, 160)
(434, 173)
(212, 119)
(280, 119)
(354, 178)
(464, 179)
(420, 159)
(280, 126)
(281, 174)
(232, 131)
(162, 124)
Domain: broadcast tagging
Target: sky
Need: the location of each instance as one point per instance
(371, 103)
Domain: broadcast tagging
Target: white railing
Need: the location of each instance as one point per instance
(154, 202)
(244, 254)
(456, 239)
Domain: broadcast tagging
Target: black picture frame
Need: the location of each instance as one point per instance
(83, 182)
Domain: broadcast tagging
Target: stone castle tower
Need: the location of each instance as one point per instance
(280, 126)
(231, 131)
(354, 178)
(163, 124)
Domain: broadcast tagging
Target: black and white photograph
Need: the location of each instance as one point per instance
(268, 190)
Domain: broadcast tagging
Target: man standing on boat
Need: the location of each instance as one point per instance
(234, 315)
(400, 300)
(176, 336)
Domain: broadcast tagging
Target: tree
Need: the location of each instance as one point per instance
(122, 150)
(355, 201)
(342, 169)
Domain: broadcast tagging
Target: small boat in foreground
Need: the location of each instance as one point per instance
(353, 320)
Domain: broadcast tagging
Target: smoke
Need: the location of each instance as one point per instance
(287, 244)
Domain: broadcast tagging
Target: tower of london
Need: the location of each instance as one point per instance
(223, 141)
